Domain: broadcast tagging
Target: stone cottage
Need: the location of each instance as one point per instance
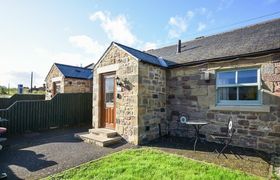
(141, 95)
(68, 79)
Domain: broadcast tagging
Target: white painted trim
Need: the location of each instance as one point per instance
(263, 108)
(56, 79)
(109, 68)
(238, 102)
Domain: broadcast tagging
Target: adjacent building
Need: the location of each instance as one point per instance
(68, 79)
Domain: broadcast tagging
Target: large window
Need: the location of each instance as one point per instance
(238, 87)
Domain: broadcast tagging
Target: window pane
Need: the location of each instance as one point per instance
(226, 78)
(247, 76)
(248, 93)
(109, 85)
(109, 97)
(109, 90)
(227, 93)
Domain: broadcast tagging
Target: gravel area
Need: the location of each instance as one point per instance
(37, 155)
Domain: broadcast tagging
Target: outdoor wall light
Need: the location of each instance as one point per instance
(119, 82)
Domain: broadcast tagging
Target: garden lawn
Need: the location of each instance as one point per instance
(146, 163)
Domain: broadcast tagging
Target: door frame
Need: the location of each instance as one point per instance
(102, 98)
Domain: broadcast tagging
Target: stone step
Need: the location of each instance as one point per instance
(108, 133)
(100, 140)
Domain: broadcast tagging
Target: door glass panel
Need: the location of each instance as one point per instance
(247, 76)
(109, 90)
(227, 93)
(226, 78)
(248, 93)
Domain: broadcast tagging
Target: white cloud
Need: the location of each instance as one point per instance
(70, 58)
(117, 28)
(149, 45)
(190, 14)
(87, 44)
(179, 24)
(201, 26)
(224, 4)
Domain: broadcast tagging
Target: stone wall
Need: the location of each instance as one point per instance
(255, 128)
(127, 102)
(67, 85)
(73, 85)
(54, 72)
(152, 102)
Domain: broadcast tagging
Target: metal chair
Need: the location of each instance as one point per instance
(225, 138)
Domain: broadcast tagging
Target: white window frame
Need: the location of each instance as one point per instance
(239, 102)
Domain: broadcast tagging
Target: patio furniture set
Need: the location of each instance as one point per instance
(2, 131)
(225, 138)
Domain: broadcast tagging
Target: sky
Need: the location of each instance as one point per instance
(34, 34)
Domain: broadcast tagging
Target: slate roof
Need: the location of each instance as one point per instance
(74, 71)
(142, 56)
(251, 39)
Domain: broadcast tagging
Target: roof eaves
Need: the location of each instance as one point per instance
(142, 60)
(254, 54)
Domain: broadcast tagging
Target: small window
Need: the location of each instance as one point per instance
(238, 87)
(109, 90)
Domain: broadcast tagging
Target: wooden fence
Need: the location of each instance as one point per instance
(62, 110)
(6, 102)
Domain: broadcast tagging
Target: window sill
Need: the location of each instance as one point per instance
(262, 108)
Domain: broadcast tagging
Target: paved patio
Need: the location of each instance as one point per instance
(36, 155)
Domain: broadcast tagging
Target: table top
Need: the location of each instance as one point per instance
(197, 122)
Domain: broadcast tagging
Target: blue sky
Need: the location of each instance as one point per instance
(35, 33)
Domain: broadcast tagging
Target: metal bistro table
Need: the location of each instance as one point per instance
(197, 126)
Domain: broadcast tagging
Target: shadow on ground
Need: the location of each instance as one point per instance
(36, 155)
(247, 160)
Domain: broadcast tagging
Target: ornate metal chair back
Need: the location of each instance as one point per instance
(230, 127)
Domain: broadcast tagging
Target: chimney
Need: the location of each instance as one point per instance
(179, 46)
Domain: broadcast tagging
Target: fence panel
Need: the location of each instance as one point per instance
(62, 110)
(6, 102)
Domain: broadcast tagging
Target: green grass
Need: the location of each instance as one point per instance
(149, 164)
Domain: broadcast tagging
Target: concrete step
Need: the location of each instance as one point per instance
(108, 133)
(100, 140)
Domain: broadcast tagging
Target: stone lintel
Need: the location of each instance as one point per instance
(109, 68)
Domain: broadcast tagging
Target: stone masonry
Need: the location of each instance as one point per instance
(154, 98)
(54, 72)
(152, 102)
(72, 85)
(141, 105)
(188, 94)
(127, 103)
(67, 85)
